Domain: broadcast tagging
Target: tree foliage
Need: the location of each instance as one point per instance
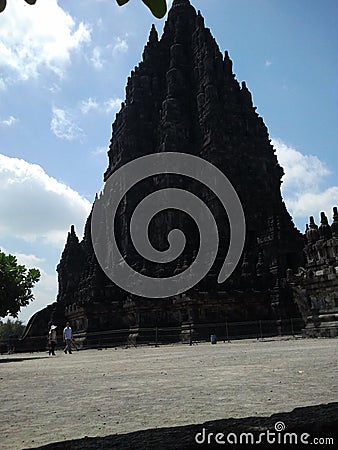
(4, 2)
(157, 7)
(11, 328)
(16, 283)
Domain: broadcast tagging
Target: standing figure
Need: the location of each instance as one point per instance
(52, 339)
(67, 337)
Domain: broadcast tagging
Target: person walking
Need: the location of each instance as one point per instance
(67, 337)
(52, 340)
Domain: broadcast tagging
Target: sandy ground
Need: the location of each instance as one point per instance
(97, 393)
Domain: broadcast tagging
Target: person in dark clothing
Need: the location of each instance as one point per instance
(52, 339)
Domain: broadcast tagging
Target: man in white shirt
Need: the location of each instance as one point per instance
(67, 337)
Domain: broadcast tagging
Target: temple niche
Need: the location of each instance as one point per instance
(184, 97)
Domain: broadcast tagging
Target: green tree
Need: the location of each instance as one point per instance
(157, 7)
(11, 328)
(16, 283)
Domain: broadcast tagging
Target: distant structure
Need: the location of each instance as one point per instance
(315, 286)
(183, 96)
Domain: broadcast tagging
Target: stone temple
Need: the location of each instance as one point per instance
(184, 97)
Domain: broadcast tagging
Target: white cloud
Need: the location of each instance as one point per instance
(113, 104)
(267, 63)
(41, 37)
(36, 207)
(96, 58)
(120, 46)
(99, 151)
(45, 292)
(2, 84)
(303, 186)
(302, 172)
(9, 122)
(22, 258)
(311, 203)
(28, 260)
(63, 123)
(64, 127)
(88, 105)
(54, 88)
(107, 106)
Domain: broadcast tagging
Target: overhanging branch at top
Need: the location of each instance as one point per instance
(157, 7)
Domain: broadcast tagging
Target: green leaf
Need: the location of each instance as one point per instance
(2, 5)
(157, 7)
(16, 283)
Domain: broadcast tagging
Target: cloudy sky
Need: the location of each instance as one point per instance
(63, 70)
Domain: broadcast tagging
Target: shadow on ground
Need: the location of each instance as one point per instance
(312, 422)
(10, 360)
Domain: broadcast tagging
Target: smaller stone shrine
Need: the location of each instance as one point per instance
(315, 286)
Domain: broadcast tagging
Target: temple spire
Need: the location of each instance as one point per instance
(324, 229)
(246, 95)
(227, 64)
(312, 232)
(334, 226)
(153, 35)
(150, 50)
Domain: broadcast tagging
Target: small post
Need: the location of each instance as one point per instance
(260, 329)
(292, 330)
(227, 331)
(156, 336)
(190, 334)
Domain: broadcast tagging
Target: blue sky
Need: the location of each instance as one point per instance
(63, 70)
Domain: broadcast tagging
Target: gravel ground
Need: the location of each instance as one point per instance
(100, 393)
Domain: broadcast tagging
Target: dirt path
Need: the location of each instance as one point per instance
(98, 393)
